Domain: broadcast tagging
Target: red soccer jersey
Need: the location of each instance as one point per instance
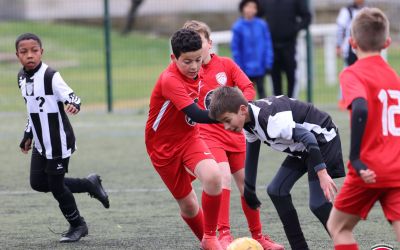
(222, 71)
(168, 129)
(373, 79)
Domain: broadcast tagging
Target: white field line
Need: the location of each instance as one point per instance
(110, 191)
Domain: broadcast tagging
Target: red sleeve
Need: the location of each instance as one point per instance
(352, 87)
(174, 90)
(241, 80)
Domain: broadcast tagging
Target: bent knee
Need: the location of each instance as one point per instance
(274, 190)
(213, 181)
(39, 186)
(189, 209)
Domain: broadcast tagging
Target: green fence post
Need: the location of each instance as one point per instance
(108, 55)
(310, 72)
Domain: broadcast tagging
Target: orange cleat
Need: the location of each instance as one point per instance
(210, 243)
(267, 243)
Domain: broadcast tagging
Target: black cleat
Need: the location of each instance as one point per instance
(75, 233)
(97, 191)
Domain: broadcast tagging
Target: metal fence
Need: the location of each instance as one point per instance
(74, 44)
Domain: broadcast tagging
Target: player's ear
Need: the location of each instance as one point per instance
(242, 109)
(353, 43)
(173, 58)
(387, 42)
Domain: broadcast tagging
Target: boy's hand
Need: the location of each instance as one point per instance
(250, 196)
(25, 145)
(368, 176)
(71, 109)
(328, 186)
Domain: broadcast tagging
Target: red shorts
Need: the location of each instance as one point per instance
(178, 172)
(235, 159)
(358, 200)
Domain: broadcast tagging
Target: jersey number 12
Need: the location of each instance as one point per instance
(389, 112)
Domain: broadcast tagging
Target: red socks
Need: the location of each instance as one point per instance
(196, 224)
(210, 204)
(347, 247)
(223, 218)
(253, 219)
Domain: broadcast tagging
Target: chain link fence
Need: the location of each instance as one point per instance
(72, 33)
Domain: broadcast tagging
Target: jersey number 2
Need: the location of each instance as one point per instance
(389, 112)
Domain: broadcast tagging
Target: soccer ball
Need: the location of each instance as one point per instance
(245, 243)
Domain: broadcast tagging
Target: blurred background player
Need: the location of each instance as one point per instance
(173, 141)
(343, 48)
(371, 91)
(45, 94)
(227, 147)
(251, 44)
(297, 128)
(285, 19)
(343, 21)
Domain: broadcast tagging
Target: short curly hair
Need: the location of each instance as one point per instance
(185, 40)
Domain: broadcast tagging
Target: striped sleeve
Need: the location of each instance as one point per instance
(63, 92)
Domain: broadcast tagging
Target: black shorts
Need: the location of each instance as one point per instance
(333, 158)
(49, 166)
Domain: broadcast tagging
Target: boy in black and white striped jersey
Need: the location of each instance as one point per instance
(306, 134)
(45, 94)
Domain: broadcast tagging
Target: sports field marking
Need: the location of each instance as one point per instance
(113, 191)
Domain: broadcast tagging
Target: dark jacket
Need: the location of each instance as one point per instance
(285, 19)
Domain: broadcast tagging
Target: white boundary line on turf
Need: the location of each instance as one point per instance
(126, 190)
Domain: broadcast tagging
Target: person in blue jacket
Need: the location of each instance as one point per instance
(251, 44)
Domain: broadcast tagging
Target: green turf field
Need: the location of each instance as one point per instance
(143, 214)
(78, 53)
(137, 60)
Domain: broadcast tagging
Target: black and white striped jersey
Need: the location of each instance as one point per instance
(45, 94)
(274, 118)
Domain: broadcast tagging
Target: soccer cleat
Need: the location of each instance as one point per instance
(75, 233)
(97, 191)
(225, 239)
(268, 244)
(210, 243)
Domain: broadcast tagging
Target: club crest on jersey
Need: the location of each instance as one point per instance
(28, 86)
(207, 99)
(221, 78)
(189, 121)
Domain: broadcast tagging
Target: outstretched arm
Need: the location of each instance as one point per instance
(358, 122)
(197, 114)
(251, 165)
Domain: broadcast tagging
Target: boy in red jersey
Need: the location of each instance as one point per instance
(371, 91)
(173, 141)
(228, 148)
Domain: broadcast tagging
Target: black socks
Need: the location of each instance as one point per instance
(288, 215)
